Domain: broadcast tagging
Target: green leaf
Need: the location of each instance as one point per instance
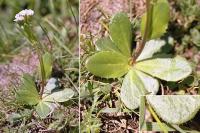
(48, 64)
(159, 20)
(195, 36)
(142, 111)
(151, 47)
(108, 64)
(59, 96)
(169, 69)
(175, 109)
(136, 84)
(27, 93)
(106, 44)
(121, 33)
(154, 126)
(43, 109)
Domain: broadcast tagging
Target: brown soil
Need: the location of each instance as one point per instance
(10, 73)
(92, 11)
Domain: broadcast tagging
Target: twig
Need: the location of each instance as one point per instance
(89, 9)
(72, 82)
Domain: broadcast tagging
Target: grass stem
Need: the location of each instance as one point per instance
(157, 119)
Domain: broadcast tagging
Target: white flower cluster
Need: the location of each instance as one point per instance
(21, 15)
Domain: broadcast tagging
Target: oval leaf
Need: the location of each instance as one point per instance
(136, 84)
(169, 69)
(43, 109)
(48, 64)
(150, 48)
(108, 64)
(151, 84)
(121, 34)
(59, 96)
(159, 20)
(175, 109)
(195, 36)
(27, 93)
(106, 44)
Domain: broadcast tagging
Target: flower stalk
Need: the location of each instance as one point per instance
(42, 71)
(36, 44)
(147, 32)
(23, 18)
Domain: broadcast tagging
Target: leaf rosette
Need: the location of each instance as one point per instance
(45, 105)
(113, 57)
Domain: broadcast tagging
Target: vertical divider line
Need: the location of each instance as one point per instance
(79, 51)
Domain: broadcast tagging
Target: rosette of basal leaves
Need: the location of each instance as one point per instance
(28, 95)
(113, 59)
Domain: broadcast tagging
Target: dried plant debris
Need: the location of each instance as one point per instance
(119, 122)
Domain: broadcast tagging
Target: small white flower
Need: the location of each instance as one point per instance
(22, 14)
(18, 18)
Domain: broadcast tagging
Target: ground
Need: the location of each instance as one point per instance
(94, 19)
(56, 26)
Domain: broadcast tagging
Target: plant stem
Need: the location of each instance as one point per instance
(147, 31)
(37, 46)
(28, 32)
(43, 76)
(42, 70)
(178, 128)
(157, 119)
